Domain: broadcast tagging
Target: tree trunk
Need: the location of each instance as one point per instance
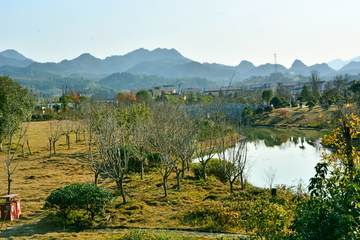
(76, 134)
(348, 150)
(178, 179)
(28, 144)
(231, 187)
(242, 182)
(204, 171)
(121, 189)
(54, 148)
(9, 184)
(50, 147)
(96, 178)
(182, 169)
(1, 146)
(23, 149)
(165, 185)
(142, 169)
(68, 141)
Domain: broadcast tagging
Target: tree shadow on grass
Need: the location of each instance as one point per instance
(48, 224)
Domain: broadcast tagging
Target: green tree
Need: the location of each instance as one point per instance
(267, 95)
(332, 211)
(143, 95)
(191, 98)
(276, 101)
(305, 93)
(16, 106)
(314, 80)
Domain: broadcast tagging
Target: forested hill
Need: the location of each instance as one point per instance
(128, 81)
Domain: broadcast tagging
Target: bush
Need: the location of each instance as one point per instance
(269, 108)
(79, 196)
(310, 104)
(213, 168)
(260, 110)
(267, 219)
(283, 112)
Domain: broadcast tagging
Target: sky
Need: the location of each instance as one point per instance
(223, 31)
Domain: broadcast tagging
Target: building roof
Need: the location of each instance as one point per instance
(230, 88)
(190, 90)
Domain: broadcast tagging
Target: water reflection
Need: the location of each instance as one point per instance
(293, 153)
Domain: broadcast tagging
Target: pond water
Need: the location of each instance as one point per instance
(289, 153)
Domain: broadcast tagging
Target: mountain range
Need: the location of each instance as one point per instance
(168, 63)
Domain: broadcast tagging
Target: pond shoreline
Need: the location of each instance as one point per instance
(288, 127)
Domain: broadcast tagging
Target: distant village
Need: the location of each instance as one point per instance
(293, 88)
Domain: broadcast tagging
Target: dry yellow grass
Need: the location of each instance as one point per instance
(296, 117)
(38, 175)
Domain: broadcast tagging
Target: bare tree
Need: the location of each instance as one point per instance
(269, 176)
(139, 126)
(112, 144)
(185, 143)
(209, 143)
(95, 162)
(54, 133)
(234, 163)
(162, 137)
(12, 139)
(67, 128)
(78, 128)
(314, 81)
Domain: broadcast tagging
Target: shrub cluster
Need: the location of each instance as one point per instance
(283, 112)
(253, 209)
(260, 110)
(269, 108)
(213, 168)
(79, 197)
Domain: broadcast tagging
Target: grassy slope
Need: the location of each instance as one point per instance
(296, 117)
(38, 175)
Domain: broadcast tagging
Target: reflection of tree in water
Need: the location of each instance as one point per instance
(281, 137)
(295, 140)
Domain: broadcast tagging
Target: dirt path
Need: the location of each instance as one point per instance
(19, 230)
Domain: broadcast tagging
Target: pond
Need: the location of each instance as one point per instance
(289, 154)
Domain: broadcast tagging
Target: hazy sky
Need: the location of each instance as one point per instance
(225, 32)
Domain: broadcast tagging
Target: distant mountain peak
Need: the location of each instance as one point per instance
(11, 53)
(85, 56)
(298, 63)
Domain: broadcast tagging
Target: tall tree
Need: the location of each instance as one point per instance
(314, 81)
(305, 93)
(267, 95)
(16, 106)
(112, 145)
(143, 95)
(163, 136)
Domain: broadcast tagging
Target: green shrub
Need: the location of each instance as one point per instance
(267, 219)
(253, 209)
(260, 110)
(213, 168)
(81, 197)
(269, 108)
(310, 104)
